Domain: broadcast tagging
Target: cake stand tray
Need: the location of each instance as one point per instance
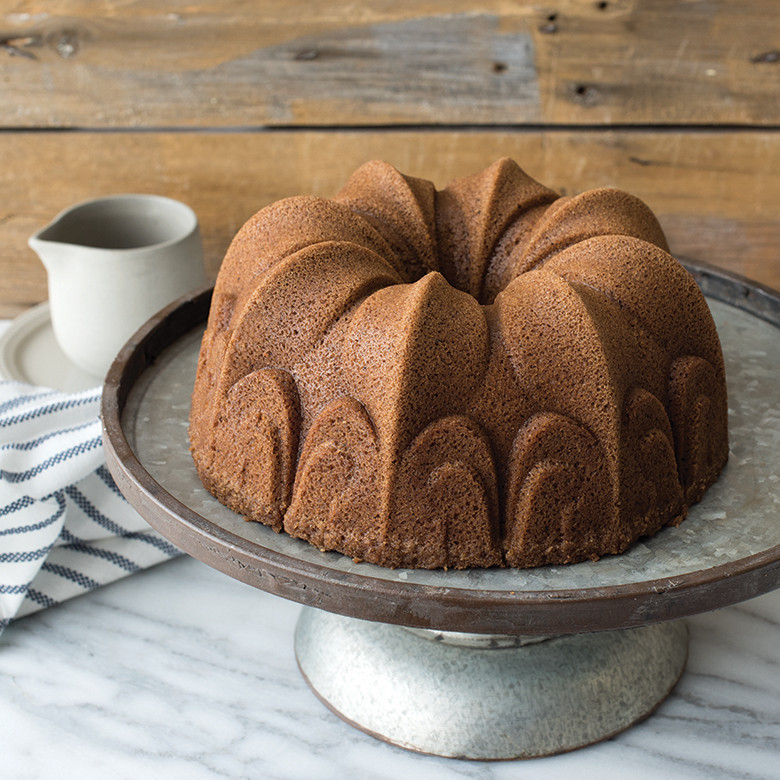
(495, 663)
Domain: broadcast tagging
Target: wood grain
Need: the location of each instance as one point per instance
(310, 62)
(710, 189)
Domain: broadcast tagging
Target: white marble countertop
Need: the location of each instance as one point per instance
(182, 672)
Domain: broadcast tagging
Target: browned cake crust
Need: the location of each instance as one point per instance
(485, 375)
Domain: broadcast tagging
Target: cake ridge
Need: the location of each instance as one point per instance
(410, 307)
(369, 194)
(518, 222)
(269, 287)
(601, 212)
(474, 212)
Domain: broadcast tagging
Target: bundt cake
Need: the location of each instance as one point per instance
(486, 375)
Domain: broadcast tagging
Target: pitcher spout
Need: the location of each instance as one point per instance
(49, 245)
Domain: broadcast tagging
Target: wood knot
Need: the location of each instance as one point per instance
(767, 56)
(67, 44)
(306, 54)
(550, 25)
(585, 94)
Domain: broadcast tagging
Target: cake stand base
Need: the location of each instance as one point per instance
(483, 696)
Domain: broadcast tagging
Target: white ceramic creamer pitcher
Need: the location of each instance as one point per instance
(112, 263)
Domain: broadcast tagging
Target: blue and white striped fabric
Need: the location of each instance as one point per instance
(64, 526)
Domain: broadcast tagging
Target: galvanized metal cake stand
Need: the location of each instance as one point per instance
(482, 664)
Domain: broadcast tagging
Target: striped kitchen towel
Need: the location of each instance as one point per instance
(64, 526)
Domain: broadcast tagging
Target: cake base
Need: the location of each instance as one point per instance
(481, 696)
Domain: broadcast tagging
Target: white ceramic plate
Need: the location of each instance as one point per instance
(30, 353)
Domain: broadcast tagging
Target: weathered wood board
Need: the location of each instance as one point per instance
(75, 63)
(708, 188)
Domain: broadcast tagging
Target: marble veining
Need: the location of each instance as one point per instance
(182, 672)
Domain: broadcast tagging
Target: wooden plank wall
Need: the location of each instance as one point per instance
(231, 105)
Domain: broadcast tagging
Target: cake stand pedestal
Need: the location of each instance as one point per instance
(482, 664)
(486, 696)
